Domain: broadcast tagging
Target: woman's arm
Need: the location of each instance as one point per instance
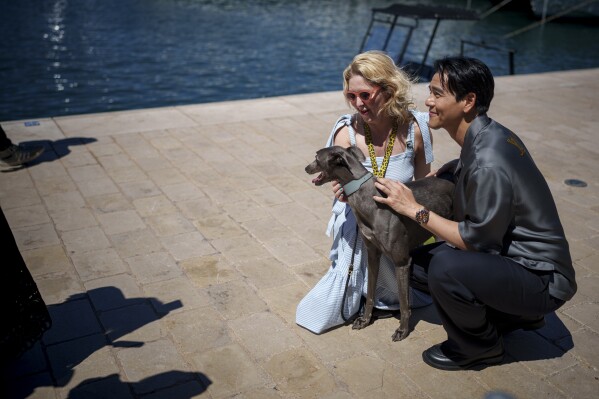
(341, 139)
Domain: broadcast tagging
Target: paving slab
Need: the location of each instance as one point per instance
(172, 246)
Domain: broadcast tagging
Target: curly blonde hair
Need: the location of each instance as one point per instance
(380, 70)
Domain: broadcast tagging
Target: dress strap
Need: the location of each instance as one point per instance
(422, 120)
(410, 138)
(352, 133)
(344, 120)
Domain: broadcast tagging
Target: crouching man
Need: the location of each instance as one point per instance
(504, 262)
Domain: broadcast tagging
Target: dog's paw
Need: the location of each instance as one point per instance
(400, 334)
(360, 323)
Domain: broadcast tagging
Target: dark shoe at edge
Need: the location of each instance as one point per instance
(16, 155)
(435, 357)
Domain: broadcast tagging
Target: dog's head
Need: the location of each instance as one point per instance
(336, 163)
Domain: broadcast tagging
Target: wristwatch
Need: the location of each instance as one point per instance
(422, 216)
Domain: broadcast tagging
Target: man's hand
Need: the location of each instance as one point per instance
(398, 196)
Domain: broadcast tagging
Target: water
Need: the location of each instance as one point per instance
(66, 57)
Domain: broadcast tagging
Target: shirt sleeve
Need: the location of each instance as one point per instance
(488, 211)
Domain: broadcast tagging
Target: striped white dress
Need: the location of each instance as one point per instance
(319, 310)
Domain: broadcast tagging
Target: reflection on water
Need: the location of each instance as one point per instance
(55, 35)
(66, 57)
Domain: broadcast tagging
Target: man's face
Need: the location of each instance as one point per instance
(444, 111)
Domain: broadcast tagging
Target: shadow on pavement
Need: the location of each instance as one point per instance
(549, 342)
(188, 385)
(83, 325)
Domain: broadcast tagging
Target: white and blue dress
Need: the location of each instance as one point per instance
(320, 309)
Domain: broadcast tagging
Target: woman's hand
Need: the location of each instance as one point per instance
(398, 196)
(449, 167)
(338, 191)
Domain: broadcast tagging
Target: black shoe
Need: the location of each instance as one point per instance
(505, 327)
(16, 155)
(435, 357)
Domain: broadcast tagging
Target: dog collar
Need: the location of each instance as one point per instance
(354, 185)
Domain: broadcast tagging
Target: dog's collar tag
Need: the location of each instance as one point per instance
(355, 185)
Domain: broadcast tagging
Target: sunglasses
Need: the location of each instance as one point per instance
(364, 95)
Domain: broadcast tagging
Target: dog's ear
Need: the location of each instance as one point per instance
(336, 158)
(357, 153)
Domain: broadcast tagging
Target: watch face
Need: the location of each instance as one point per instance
(422, 216)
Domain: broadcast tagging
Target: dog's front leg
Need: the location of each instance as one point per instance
(405, 307)
(374, 258)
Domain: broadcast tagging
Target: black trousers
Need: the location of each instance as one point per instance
(24, 313)
(471, 290)
(4, 140)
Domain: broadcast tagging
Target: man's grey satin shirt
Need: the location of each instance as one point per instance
(504, 206)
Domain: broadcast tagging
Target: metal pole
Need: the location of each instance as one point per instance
(551, 18)
(512, 69)
(367, 33)
(389, 33)
(494, 8)
(430, 43)
(405, 44)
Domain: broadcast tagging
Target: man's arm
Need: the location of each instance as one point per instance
(401, 200)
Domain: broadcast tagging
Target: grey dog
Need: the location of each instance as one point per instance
(382, 229)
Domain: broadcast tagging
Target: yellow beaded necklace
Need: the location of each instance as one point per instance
(375, 167)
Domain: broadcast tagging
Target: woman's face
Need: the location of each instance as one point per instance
(365, 97)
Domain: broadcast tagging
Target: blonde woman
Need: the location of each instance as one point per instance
(397, 144)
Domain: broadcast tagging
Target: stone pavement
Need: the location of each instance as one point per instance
(172, 246)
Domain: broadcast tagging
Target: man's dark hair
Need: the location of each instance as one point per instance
(463, 75)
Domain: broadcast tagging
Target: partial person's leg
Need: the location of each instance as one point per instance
(24, 313)
(421, 258)
(4, 140)
(464, 285)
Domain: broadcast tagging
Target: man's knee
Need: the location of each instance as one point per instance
(445, 270)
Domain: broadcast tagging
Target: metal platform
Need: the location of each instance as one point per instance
(399, 15)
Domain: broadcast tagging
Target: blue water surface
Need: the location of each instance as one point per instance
(65, 57)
